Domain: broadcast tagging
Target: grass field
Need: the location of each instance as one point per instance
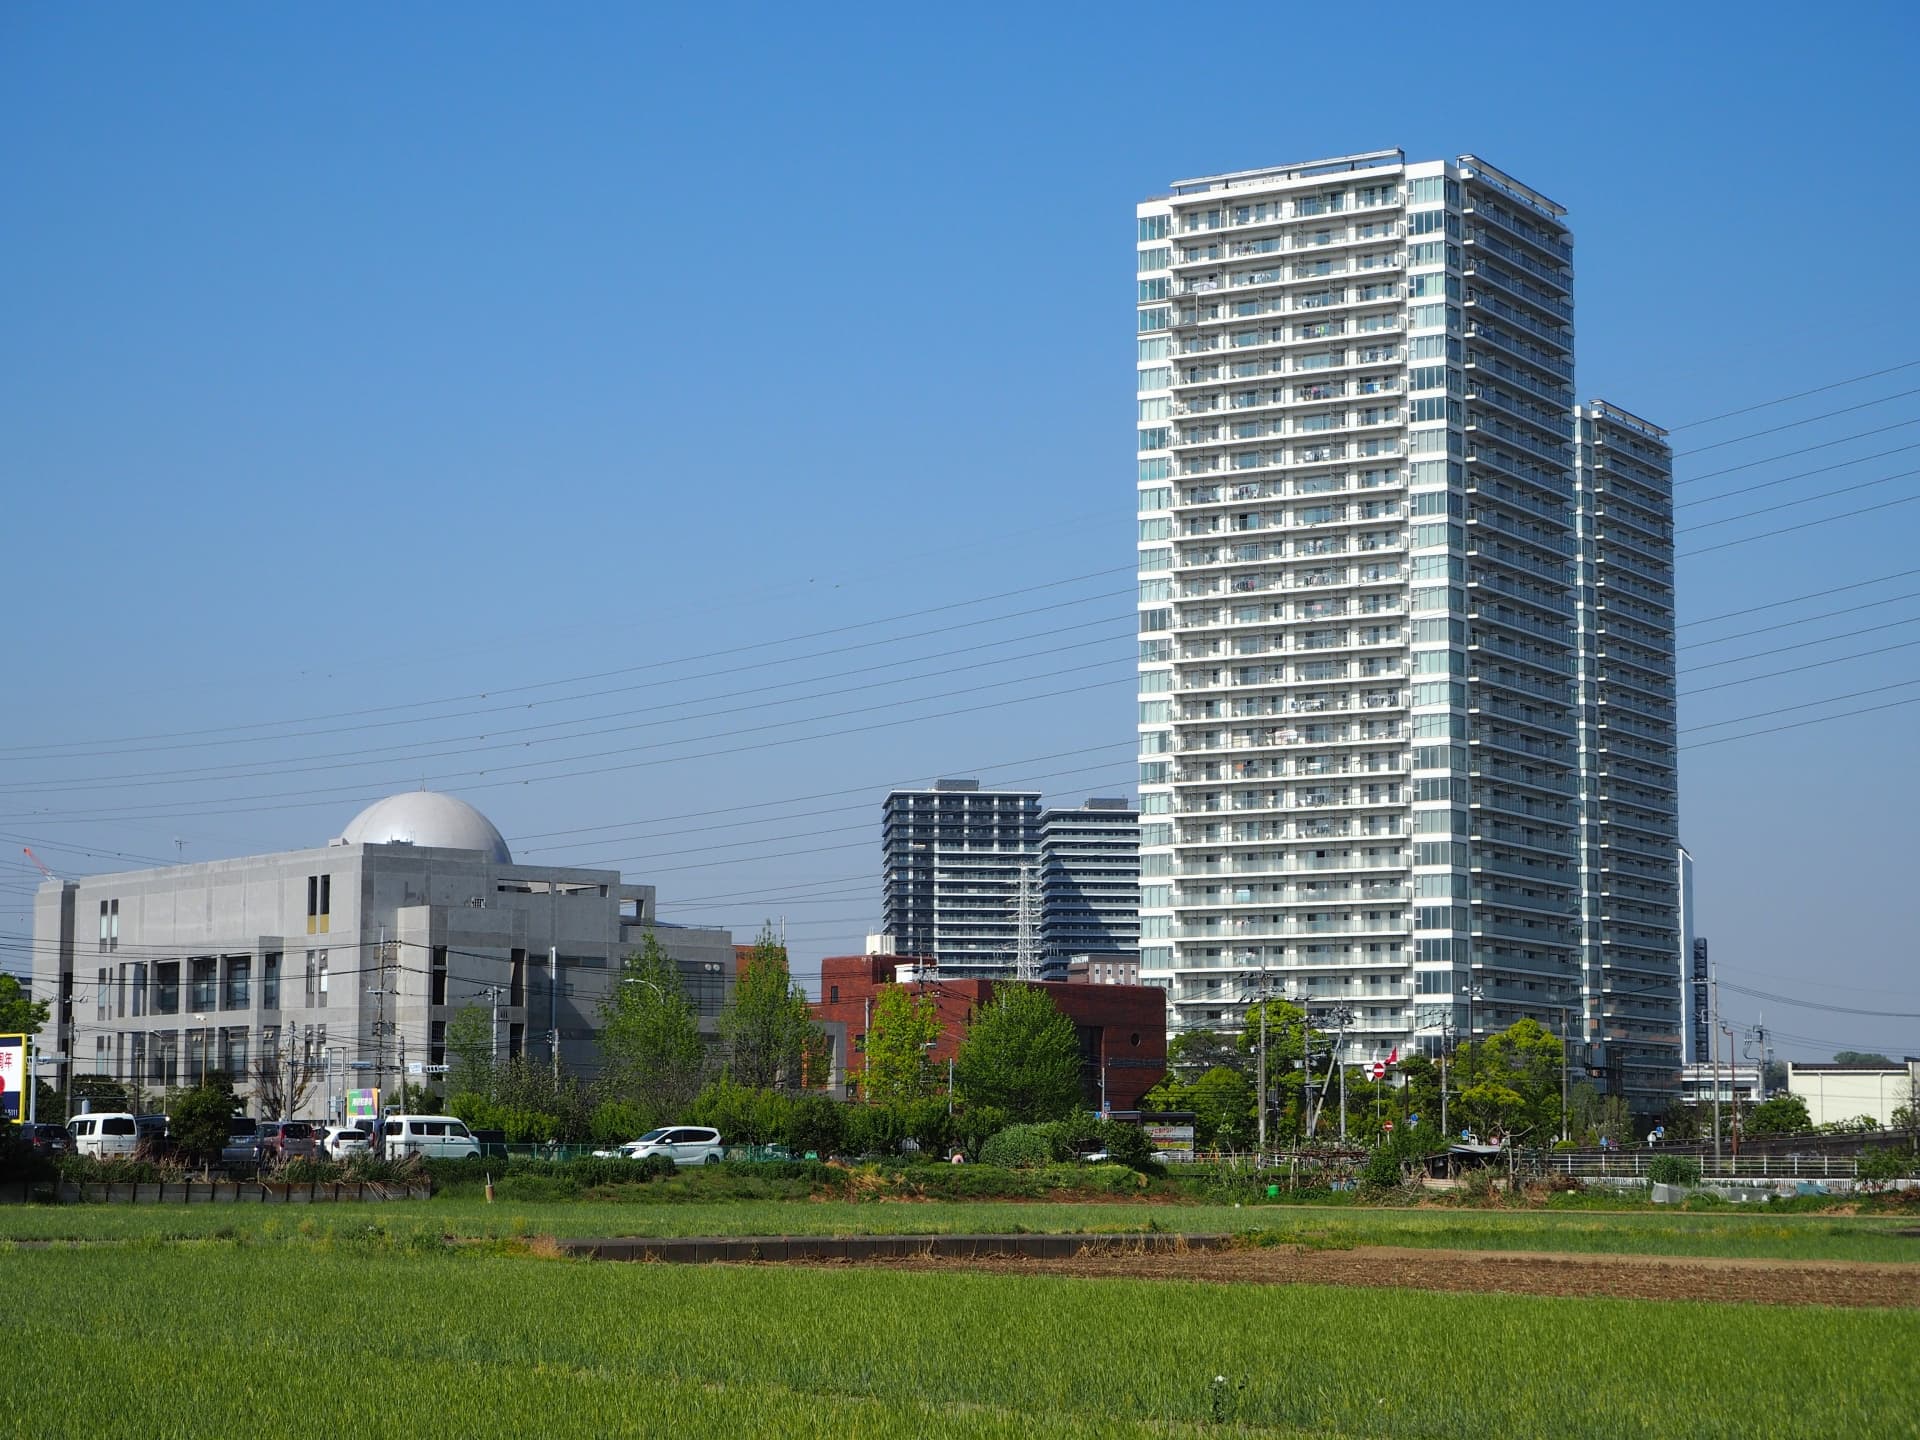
(1720, 1233)
(324, 1339)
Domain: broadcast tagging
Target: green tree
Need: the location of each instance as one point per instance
(903, 1025)
(470, 1051)
(198, 1119)
(19, 1015)
(771, 1040)
(1863, 1057)
(1782, 1115)
(1517, 1071)
(1020, 1056)
(1192, 1053)
(650, 1037)
(1222, 1103)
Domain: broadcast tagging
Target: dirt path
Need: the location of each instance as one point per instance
(1647, 1277)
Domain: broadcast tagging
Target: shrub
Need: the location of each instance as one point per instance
(975, 1125)
(1022, 1147)
(816, 1123)
(1883, 1164)
(1674, 1170)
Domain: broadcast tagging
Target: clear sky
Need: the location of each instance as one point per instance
(354, 358)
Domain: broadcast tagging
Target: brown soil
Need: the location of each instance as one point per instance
(1646, 1277)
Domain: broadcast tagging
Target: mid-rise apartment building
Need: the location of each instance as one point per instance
(1089, 881)
(1360, 752)
(986, 883)
(961, 882)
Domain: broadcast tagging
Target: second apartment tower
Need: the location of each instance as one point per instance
(1360, 583)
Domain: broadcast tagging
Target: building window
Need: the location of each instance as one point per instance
(439, 994)
(166, 988)
(270, 980)
(833, 994)
(205, 982)
(238, 988)
(319, 904)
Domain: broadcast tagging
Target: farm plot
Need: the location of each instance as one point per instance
(195, 1340)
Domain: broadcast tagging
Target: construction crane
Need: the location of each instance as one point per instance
(26, 851)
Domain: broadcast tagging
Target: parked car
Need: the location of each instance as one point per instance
(105, 1136)
(434, 1137)
(341, 1141)
(154, 1139)
(49, 1139)
(243, 1142)
(682, 1144)
(288, 1140)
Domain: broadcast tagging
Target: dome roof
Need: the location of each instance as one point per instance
(423, 817)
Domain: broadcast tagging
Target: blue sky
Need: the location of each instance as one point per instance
(358, 359)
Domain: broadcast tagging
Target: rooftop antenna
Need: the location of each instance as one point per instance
(179, 847)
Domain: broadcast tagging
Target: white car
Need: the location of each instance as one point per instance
(682, 1144)
(433, 1137)
(342, 1141)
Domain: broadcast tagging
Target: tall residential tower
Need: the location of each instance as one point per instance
(1360, 766)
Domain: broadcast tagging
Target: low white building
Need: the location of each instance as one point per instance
(1742, 1082)
(341, 966)
(1836, 1093)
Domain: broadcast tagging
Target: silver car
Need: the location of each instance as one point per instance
(343, 1141)
(682, 1144)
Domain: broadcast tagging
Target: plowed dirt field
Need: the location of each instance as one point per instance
(1647, 1277)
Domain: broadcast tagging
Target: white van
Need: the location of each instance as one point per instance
(436, 1137)
(104, 1136)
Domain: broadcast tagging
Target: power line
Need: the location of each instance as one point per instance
(1798, 395)
(276, 769)
(334, 796)
(1817, 1005)
(1803, 705)
(1800, 475)
(1789, 454)
(1796, 424)
(1796, 669)
(1800, 724)
(1790, 529)
(1803, 620)
(1795, 504)
(1796, 599)
(21, 750)
(1803, 644)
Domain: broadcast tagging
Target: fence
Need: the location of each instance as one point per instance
(1633, 1165)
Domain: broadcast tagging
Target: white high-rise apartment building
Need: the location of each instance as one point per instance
(1359, 754)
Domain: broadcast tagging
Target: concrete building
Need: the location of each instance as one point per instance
(1089, 882)
(1120, 969)
(1122, 1028)
(342, 965)
(1359, 609)
(1838, 1093)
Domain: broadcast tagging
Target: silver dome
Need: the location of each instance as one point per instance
(424, 817)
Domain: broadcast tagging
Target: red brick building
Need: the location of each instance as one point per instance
(1122, 1028)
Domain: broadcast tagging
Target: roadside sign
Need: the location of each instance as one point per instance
(13, 1076)
(363, 1104)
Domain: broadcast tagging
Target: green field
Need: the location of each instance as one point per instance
(1724, 1233)
(340, 1339)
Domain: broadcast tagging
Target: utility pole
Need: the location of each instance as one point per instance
(1713, 976)
(1733, 1095)
(553, 1007)
(1263, 1055)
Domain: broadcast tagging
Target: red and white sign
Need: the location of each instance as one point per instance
(1380, 1066)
